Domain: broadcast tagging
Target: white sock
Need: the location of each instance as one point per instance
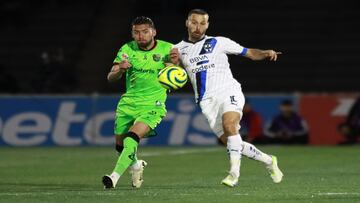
(252, 152)
(234, 145)
(115, 177)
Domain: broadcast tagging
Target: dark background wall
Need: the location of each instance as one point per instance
(68, 46)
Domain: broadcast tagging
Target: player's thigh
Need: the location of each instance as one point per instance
(232, 103)
(210, 109)
(124, 119)
(151, 117)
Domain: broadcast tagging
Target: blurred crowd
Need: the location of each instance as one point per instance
(53, 73)
(350, 128)
(288, 127)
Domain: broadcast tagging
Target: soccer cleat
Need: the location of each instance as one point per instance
(230, 180)
(274, 170)
(108, 182)
(137, 174)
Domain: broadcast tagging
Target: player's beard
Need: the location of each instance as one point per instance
(145, 45)
(197, 35)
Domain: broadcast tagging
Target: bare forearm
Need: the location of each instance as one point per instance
(114, 76)
(115, 73)
(257, 54)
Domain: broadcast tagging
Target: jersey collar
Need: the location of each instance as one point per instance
(151, 47)
(188, 41)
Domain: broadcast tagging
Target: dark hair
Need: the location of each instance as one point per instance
(197, 11)
(142, 20)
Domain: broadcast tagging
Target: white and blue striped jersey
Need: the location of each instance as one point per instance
(207, 65)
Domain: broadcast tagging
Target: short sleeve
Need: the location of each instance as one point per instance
(231, 47)
(122, 54)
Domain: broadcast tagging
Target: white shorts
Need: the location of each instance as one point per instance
(214, 107)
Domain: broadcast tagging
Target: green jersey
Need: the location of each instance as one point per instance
(142, 86)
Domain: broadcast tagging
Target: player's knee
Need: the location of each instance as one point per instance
(133, 135)
(119, 148)
(230, 128)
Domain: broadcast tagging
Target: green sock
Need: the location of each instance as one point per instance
(127, 156)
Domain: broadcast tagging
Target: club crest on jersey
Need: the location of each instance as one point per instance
(124, 56)
(156, 57)
(208, 46)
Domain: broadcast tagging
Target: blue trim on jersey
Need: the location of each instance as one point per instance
(202, 62)
(208, 46)
(244, 51)
(200, 84)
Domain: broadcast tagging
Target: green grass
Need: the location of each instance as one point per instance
(312, 174)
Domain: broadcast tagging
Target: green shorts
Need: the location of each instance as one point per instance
(126, 115)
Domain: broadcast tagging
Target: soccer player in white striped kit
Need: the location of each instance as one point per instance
(217, 92)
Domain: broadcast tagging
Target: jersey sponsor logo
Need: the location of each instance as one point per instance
(208, 46)
(144, 70)
(197, 59)
(156, 57)
(203, 68)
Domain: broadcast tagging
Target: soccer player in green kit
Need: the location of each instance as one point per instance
(142, 106)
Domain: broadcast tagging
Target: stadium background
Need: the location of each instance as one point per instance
(54, 57)
(65, 48)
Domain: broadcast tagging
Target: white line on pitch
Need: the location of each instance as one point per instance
(25, 193)
(339, 193)
(178, 152)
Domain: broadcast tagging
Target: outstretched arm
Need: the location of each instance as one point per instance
(258, 54)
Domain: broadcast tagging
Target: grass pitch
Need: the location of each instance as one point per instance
(312, 174)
